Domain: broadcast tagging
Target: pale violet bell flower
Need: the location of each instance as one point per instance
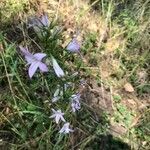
(65, 129)
(40, 22)
(73, 46)
(57, 115)
(59, 72)
(35, 61)
(75, 102)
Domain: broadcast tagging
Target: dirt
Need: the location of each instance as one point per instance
(97, 97)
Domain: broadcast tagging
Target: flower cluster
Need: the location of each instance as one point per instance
(36, 62)
(59, 116)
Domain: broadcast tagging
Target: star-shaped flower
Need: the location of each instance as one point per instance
(34, 61)
(59, 72)
(73, 46)
(65, 129)
(75, 102)
(58, 115)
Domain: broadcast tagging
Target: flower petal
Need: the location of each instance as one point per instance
(24, 50)
(43, 67)
(34, 22)
(62, 118)
(32, 69)
(59, 72)
(55, 99)
(65, 129)
(29, 58)
(44, 20)
(57, 119)
(52, 116)
(73, 46)
(54, 111)
(39, 56)
(62, 130)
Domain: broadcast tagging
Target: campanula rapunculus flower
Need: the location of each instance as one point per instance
(75, 102)
(34, 60)
(65, 129)
(58, 115)
(59, 72)
(40, 22)
(73, 46)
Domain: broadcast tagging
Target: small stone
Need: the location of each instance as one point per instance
(128, 88)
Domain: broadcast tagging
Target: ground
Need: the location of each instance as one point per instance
(112, 75)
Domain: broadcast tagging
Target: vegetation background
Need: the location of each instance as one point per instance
(115, 44)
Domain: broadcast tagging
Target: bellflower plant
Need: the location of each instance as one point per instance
(35, 61)
(65, 129)
(58, 115)
(42, 27)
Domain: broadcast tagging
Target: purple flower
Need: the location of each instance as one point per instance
(34, 61)
(58, 115)
(65, 129)
(44, 20)
(73, 46)
(59, 72)
(75, 102)
(40, 22)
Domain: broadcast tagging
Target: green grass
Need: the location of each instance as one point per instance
(25, 104)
